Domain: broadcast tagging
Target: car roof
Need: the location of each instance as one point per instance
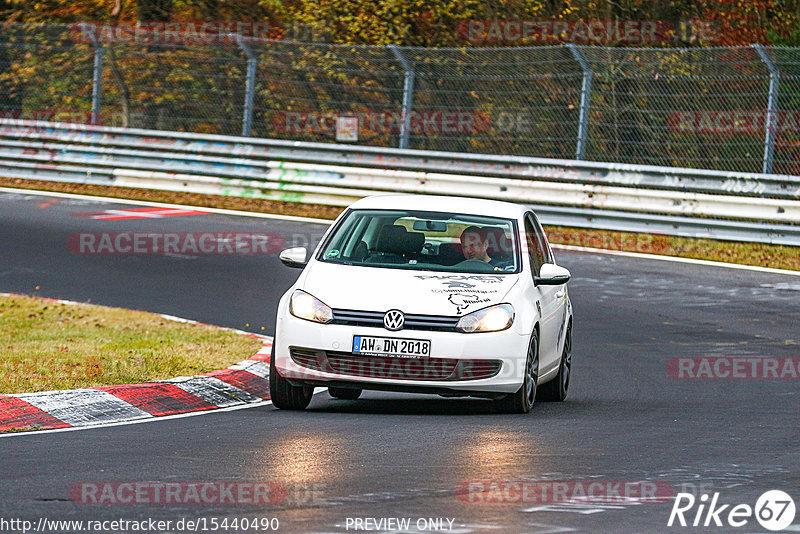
(467, 205)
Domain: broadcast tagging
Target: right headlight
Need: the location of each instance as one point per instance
(491, 319)
(306, 306)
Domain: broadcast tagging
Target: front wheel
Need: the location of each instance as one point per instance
(284, 395)
(556, 389)
(522, 400)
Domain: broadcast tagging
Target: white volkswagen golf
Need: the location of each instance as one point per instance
(425, 294)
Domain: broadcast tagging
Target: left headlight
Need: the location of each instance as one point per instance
(491, 319)
(306, 306)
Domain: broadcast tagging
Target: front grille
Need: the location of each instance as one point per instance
(440, 323)
(441, 369)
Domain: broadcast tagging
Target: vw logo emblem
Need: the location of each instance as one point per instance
(393, 320)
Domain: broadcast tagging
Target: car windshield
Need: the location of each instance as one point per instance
(425, 241)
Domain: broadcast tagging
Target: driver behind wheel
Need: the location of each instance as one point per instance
(477, 242)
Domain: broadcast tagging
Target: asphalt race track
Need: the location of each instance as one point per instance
(395, 455)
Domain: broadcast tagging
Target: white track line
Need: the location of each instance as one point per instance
(165, 205)
(676, 259)
(328, 222)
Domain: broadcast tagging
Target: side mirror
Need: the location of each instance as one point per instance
(551, 275)
(294, 257)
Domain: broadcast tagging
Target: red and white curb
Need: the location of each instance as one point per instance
(243, 383)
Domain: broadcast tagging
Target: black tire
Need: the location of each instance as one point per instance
(556, 389)
(522, 401)
(284, 395)
(344, 393)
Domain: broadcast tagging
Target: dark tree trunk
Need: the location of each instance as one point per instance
(10, 93)
(154, 10)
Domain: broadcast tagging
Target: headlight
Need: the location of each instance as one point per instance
(489, 319)
(307, 307)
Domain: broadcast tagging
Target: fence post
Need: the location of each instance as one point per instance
(772, 109)
(250, 85)
(586, 94)
(408, 93)
(97, 74)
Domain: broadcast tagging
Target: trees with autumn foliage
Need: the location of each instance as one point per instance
(434, 23)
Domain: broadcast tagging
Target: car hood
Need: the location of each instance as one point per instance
(418, 292)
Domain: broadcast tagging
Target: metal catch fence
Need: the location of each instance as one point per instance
(732, 109)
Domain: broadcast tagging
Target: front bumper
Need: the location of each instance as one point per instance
(507, 347)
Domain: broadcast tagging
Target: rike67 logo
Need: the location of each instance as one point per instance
(774, 510)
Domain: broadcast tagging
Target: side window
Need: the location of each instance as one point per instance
(536, 252)
(547, 251)
(356, 248)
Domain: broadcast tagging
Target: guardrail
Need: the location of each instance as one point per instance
(687, 202)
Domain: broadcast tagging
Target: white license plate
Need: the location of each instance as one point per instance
(390, 346)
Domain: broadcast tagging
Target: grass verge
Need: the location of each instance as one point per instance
(775, 256)
(762, 254)
(48, 345)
